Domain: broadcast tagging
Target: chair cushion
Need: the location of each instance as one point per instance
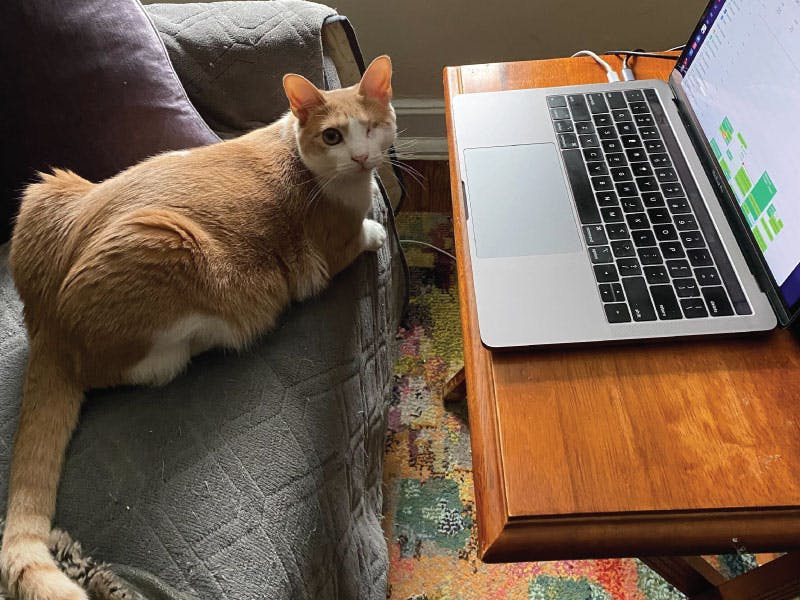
(87, 87)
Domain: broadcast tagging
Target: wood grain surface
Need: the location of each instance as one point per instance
(676, 447)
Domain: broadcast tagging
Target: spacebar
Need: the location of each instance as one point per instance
(581, 187)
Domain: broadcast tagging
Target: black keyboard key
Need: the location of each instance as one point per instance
(616, 159)
(659, 216)
(603, 120)
(666, 175)
(650, 256)
(692, 239)
(581, 188)
(578, 107)
(717, 301)
(628, 267)
(612, 214)
(666, 233)
(699, 257)
(627, 188)
(583, 127)
(656, 274)
(640, 169)
(654, 146)
(607, 199)
(639, 108)
(616, 100)
(679, 268)
(638, 299)
(672, 190)
(644, 120)
(591, 154)
(563, 126)
(647, 184)
(606, 133)
(623, 248)
(667, 307)
(678, 206)
(626, 128)
(637, 221)
(605, 273)
(685, 222)
(595, 235)
(568, 141)
(707, 276)
(602, 183)
(648, 133)
(643, 238)
(619, 296)
(600, 255)
(672, 250)
(686, 287)
(589, 141)
(617, 313)
(631, 204)
(621, 174)
(559, 113)
(694, 308)
(617, 231)
(606, 292)
(597, 104)
(660, 160)
(556, 101)
(631, 141)
(597, 168)
(612, 146)
(653, 199)
(621, 115)
(634, 95)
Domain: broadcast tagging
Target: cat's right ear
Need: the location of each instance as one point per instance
(303, 96)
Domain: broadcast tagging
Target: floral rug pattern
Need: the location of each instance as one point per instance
(429, 502)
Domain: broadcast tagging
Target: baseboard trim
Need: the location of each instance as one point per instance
(421, 126)
(421, 148)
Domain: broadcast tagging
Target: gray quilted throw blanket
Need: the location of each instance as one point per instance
(231, 56)
(255, 476)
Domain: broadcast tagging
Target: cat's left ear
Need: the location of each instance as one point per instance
(303, 96)
(377, 80)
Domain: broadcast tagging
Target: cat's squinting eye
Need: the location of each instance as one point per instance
(331, 136)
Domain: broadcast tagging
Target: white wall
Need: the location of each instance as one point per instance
(423, 36)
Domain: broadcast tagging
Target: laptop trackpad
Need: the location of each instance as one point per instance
(518, 201)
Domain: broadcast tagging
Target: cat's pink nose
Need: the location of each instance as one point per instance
(360, 158)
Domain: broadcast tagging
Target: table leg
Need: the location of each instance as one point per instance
(779, 579)
(455, 388)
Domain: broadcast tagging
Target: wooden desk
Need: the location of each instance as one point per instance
(676, 448)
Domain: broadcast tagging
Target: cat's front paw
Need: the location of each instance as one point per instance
(374, 235)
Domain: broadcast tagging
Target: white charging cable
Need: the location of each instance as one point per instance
(610, 73)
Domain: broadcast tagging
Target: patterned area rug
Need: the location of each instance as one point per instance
(429, 502)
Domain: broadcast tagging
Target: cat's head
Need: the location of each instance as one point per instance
(344, 132)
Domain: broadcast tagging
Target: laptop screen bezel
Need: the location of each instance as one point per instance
(741, 230)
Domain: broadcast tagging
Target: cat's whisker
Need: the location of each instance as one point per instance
(413, 173)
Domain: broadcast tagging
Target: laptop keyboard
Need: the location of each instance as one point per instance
(649, 252)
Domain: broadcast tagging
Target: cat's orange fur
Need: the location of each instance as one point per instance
(124, 280)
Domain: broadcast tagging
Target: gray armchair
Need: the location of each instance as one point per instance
(251, 476)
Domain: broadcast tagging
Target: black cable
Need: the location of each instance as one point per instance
(647, 54)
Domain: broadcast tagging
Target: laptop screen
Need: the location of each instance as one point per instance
(741, 75)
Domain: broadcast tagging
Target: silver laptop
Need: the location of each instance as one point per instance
(642, 209)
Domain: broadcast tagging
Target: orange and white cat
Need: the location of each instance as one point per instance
(125, 280)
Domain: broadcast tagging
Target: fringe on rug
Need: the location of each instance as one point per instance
(96, 578)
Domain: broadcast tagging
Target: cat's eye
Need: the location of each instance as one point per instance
(331, 136)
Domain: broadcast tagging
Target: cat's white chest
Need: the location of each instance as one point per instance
(173, 347)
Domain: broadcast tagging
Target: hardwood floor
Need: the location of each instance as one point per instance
(432, 193)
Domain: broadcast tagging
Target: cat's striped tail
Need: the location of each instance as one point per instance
(50, 405)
